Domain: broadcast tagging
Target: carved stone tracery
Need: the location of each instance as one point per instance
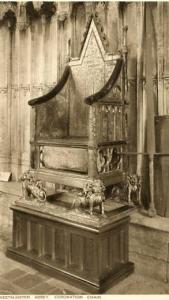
(23, 21)
(5, 7)
(8, 13)
(22, 13)
(63, 11)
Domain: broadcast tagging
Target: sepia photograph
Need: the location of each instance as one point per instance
(84, 148)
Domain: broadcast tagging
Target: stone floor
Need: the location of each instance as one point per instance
(18, 279)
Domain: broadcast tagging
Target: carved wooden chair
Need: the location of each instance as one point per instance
(78, 129)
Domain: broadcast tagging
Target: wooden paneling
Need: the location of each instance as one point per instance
(93, 257)
(34, 238)
(52, 118)
(110, 120)
(20, 232)
(60, 246)
(65, 158)
(48, 241)
(76, 255)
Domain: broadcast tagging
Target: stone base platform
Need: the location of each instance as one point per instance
(89, 251)
(149, 246)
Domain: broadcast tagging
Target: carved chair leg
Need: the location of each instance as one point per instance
(26, 196)
(102, 208)
(139, 196)
(129, 196)
(91, 208)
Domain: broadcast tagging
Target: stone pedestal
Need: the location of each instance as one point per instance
(149, 246)
(89, 251)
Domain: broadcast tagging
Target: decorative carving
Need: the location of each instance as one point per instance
(41, 162)
(108, 159)
(8, 12)
(22, 20)
(33, 9)
(70, 189)
(92, 195)
(128, 191)
(155, 81)
(32, 188)
(39, 8)
(108, 86)
(118, 192)
(116, 92)
(89, 8)
(166, 82)
(132, 81)
(99, 28)
(63, 11)
(37, 5)
(48, 9)
(155, 85)
(92, 121)
(100, 15)
(125, 52)
(6, 7)
(134, 188)
(111, 122)
(142, 81)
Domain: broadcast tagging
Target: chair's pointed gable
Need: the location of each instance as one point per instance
(89, 74)
(92, 43)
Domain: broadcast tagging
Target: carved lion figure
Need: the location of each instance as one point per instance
(134, 188)
(92, 195)
(32, 188)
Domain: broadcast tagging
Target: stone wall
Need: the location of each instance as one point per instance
(29, 65)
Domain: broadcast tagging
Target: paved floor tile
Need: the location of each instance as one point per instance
(14, 264)
(42, 289)
(58, 291)
(62, 285)
(7, 288)
(42, 275)
(5, 266)
(13, 275)
(28, 281)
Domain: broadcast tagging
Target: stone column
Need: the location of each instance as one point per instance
(150, 112)
(140, 84)
(5, 96)
(16, 109)
(24, 90)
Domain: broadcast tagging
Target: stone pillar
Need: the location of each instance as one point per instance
(25, 95)
(53, 50)
(16, 110)
(62, 17)
(5, 96)
(140, 84)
